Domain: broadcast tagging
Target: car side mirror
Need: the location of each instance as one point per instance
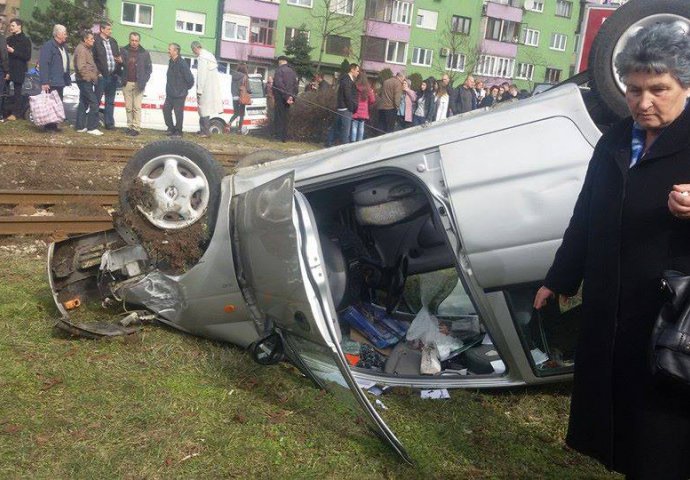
(268, 350)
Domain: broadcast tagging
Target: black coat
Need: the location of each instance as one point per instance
(19, 59)
(620, 239)
(144, 66)
(179, 78)
(284, 83)
(347, 93)
(4, 61)
(100, 56)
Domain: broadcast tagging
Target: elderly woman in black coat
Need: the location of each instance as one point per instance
(630, 223)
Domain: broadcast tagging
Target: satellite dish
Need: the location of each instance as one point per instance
(529, 5)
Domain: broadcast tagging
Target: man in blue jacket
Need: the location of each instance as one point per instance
(179, 81)
(54, 71)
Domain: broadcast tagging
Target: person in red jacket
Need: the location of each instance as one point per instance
(365, 98)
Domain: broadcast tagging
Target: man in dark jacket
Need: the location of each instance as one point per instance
(106, 54)
(54, 61)
(179, 81)
(19, 50)
(467, 101)
(4, 72)
(284, 91)
(346, 105)
(136, 71)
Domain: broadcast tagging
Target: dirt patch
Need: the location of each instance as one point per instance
(57, 174)
(172, 251)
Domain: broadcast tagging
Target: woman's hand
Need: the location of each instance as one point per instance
(542, 296)
(679, 201)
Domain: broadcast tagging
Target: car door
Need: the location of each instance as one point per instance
(281, 266)
(512, 191)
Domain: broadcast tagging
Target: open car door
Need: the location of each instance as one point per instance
(284, 276)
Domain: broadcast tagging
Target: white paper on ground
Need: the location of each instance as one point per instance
(375, 390)
(364, 384)
(435, 394)
(487, 340)
(499, 366)
(380, 404)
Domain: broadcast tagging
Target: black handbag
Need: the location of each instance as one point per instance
(670, 342)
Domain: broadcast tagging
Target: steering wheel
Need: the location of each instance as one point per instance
(396, 283)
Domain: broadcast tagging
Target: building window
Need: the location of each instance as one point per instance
(495, 66)
(535, 7)
(396, 52)
(346, 7)
(300, 3)
(564, 8)
(502, 30)
(461, 24)
(402, 13)
(262, 31)
(553, 75)
(427, 19)
(456, 62)
(137, 14)
(236, 28)
(525, 71)
(379, 10)
(190, 22)
(422, 56)
(531, 37)
(558, 41)
(291, 33)
(374, 49)
(337, 45)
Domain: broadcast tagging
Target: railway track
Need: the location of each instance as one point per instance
(42, 222)
(118, 154)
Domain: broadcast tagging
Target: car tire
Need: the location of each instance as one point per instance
(610, 39)
(216, 126)
(261, 156)
(190, 167)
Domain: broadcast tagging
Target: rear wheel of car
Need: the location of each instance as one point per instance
(216, 126)
(261, 156)
(169, 199)
(613, 36)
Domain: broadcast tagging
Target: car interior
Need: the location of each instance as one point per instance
(402, 309)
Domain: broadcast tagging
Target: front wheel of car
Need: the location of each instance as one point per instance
(623, 24)
(169, 199)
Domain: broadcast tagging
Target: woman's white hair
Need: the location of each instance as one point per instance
(660, 48)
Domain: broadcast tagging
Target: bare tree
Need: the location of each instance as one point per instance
(337, 18)
(462, 53)
(533, 57)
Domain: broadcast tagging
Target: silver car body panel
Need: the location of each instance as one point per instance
(283, 265)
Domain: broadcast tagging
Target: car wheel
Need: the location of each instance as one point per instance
(613, 36)
(216, 126)
(183, 181)
(169, 199)
(261, 156)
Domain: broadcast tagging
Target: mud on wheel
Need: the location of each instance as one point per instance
(169, 194)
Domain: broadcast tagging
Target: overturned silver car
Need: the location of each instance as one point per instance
(410, 259)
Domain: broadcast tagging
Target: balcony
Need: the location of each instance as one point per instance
(252, 8)
(503, 11)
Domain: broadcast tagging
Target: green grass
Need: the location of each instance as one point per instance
(167, 405)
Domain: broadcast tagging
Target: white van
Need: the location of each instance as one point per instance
(154, 98)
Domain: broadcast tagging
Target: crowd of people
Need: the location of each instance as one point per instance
(100, 65)
(400, 106)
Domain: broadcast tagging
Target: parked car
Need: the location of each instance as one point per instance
(410, 259)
